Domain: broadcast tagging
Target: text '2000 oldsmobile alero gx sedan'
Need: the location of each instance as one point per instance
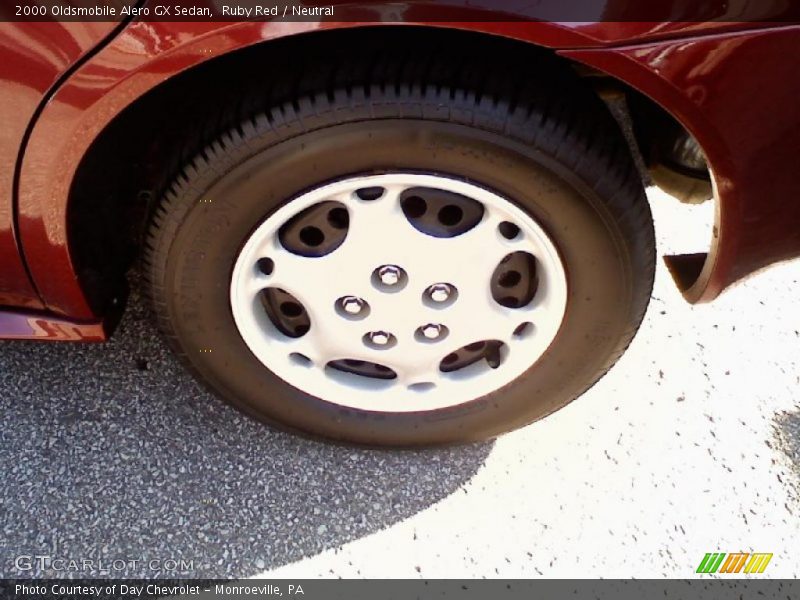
(408, 223)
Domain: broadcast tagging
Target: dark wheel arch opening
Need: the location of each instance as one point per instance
(129, 164)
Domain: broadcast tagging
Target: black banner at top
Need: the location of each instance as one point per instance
(750, 11)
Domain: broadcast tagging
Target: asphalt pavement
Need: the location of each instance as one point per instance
(113, 454)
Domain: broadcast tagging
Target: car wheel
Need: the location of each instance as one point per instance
(406, 261)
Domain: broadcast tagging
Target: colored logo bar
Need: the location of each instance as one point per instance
(734, 562)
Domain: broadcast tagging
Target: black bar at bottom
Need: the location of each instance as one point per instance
(388, 589)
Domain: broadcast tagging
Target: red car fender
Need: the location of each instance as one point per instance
(35, 56)
(143, 55)
(147, 53)
(737, 94)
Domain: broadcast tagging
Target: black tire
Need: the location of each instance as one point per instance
(551, 146)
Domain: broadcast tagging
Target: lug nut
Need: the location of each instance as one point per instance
(380, 338)
(431, 331)
(352, 308)
(389, 275)
(440, 292)
(353, 305)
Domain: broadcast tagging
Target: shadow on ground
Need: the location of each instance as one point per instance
(113, 452)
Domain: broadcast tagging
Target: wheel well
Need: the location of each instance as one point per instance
(128, 166)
